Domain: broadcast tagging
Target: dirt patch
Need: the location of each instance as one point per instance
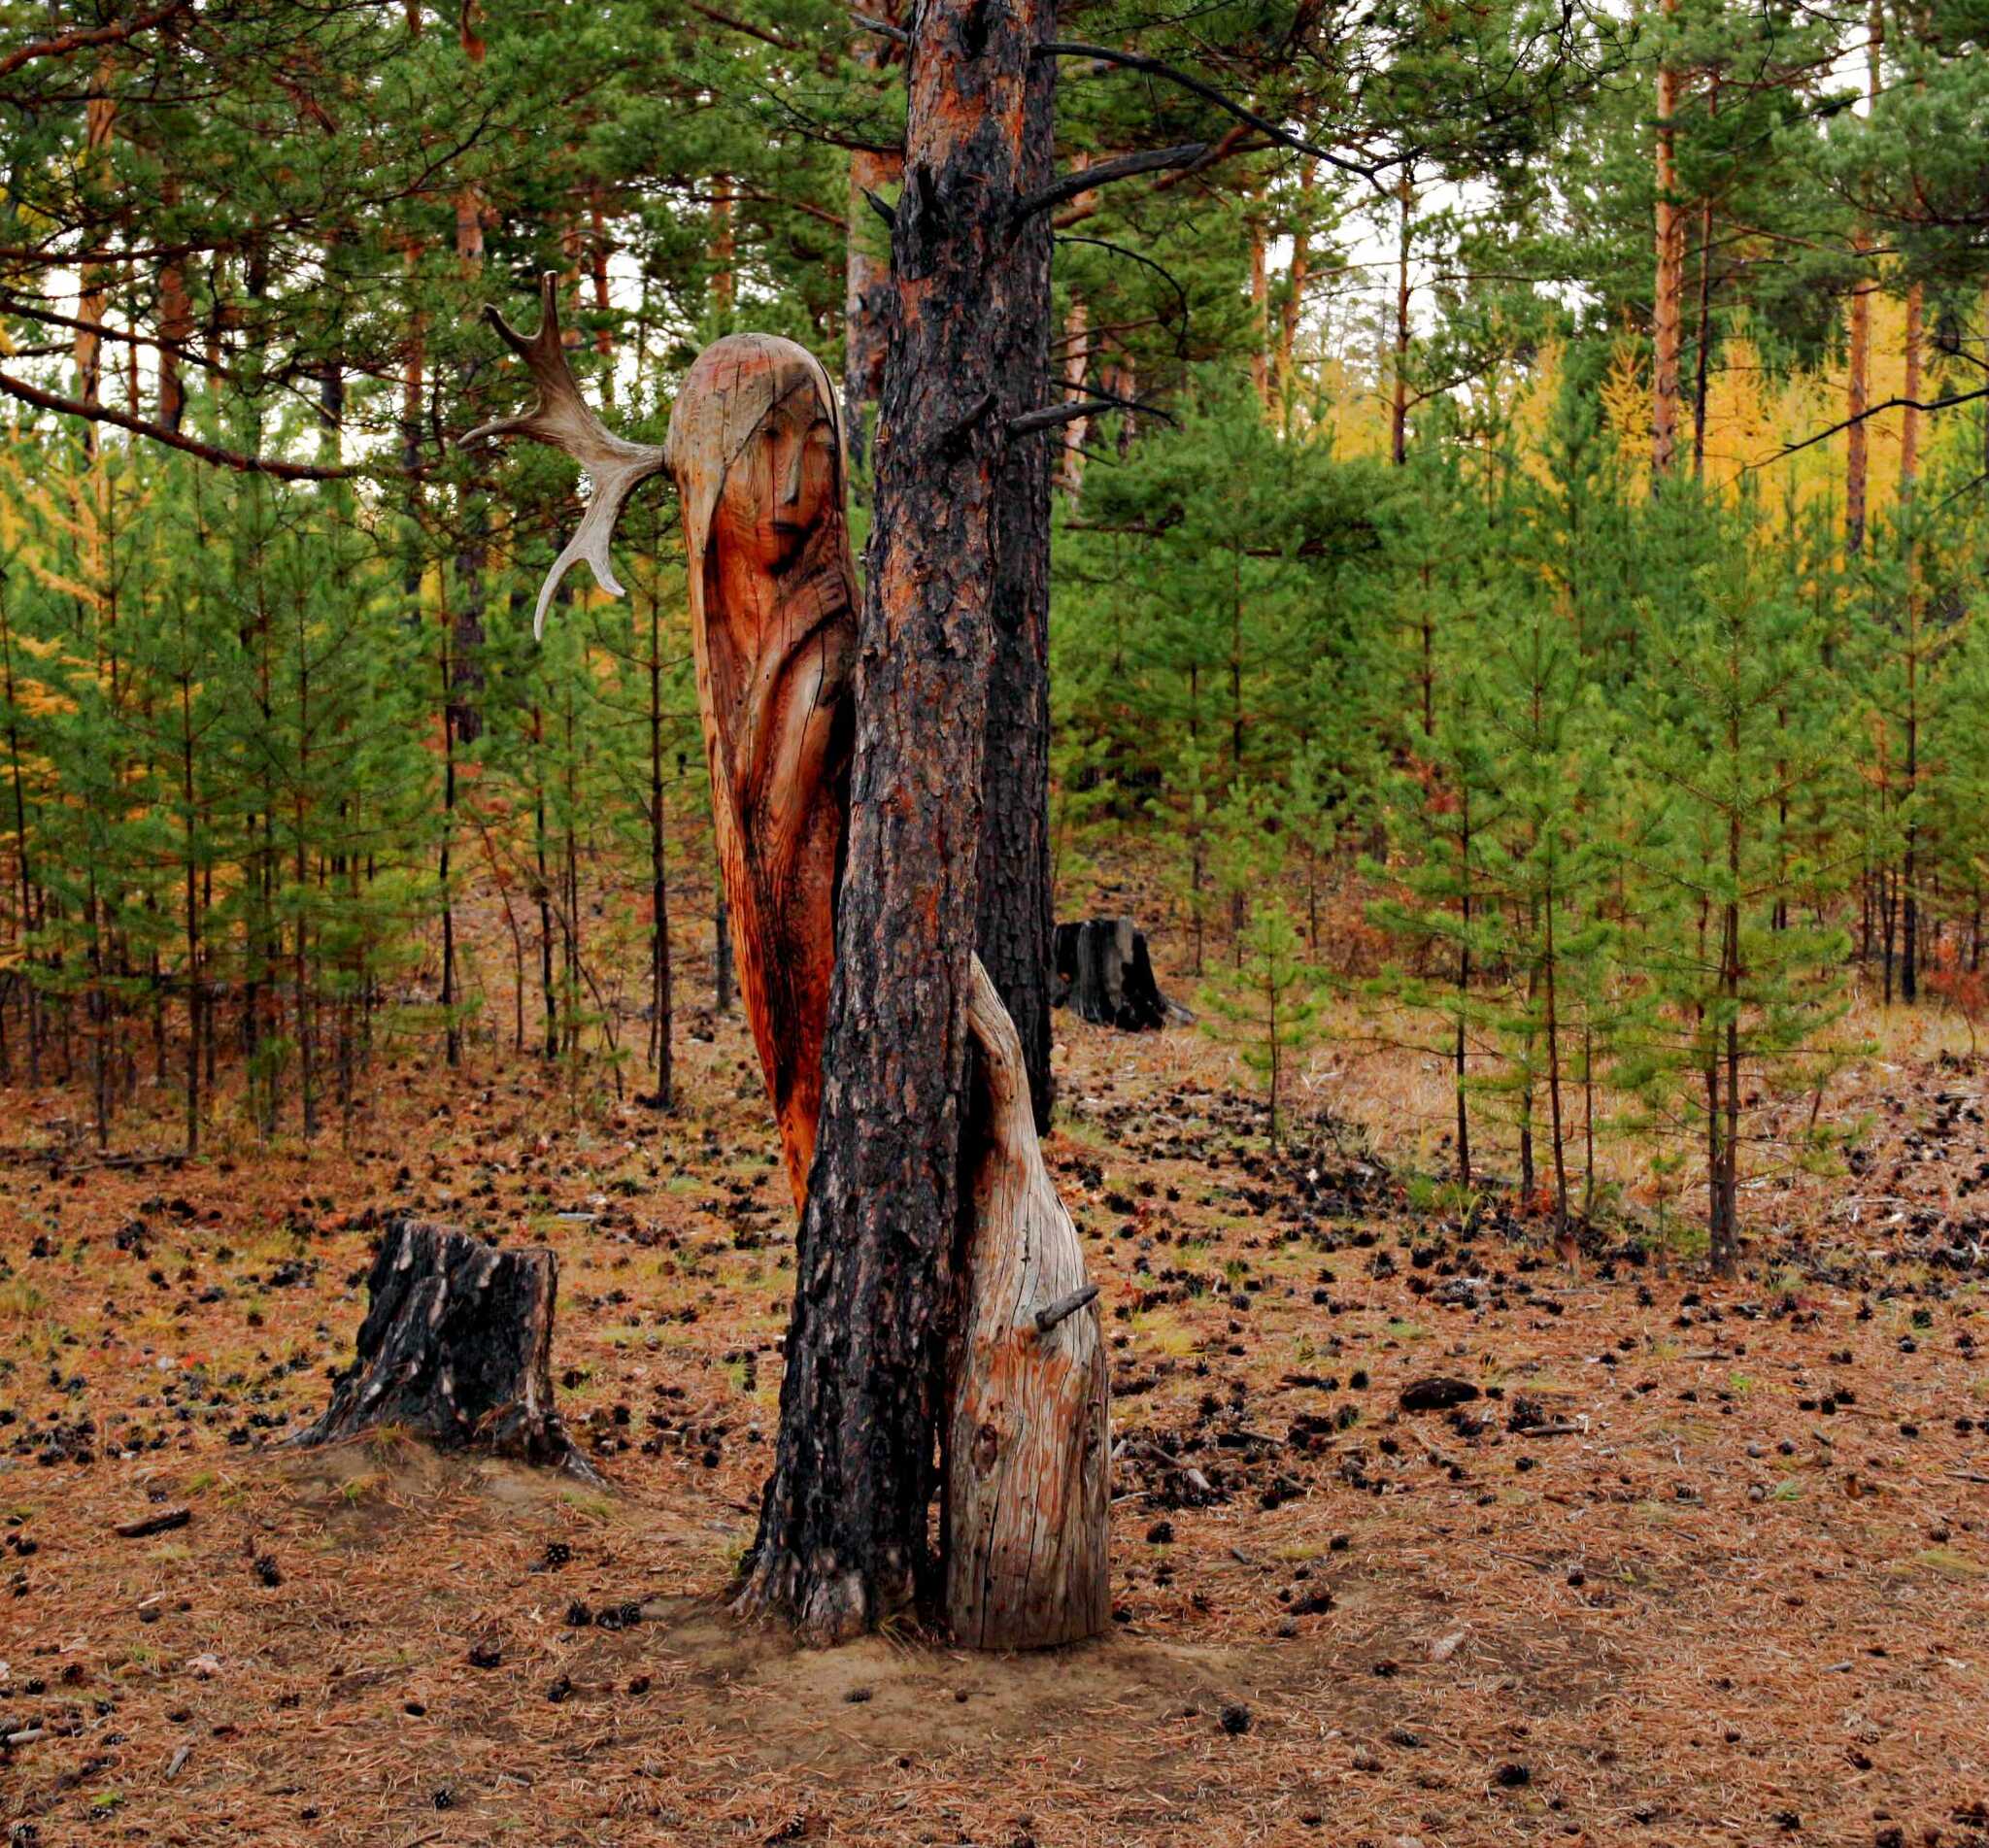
(880, 1699)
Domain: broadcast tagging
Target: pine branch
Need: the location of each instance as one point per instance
(140, 427)
(1166, 275)
(752, 32)
(1082, 180)
(85, 37)
(1890, 404)
(1153, 67)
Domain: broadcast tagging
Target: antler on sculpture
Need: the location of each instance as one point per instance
(562, 419)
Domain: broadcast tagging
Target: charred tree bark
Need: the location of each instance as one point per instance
(457, 1347)
(1017, 906)
(790, 679)
(842, 1538)
(1104, 973)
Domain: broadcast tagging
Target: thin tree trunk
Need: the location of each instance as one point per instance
(1260, 301)
(1669, 284)
(660, 1049)
(1909, 475)
(1857, 394)
(724, 251)
(866, 284)
(1293, 308)
(1399, 370)
(1463, 981)
(1702, 356)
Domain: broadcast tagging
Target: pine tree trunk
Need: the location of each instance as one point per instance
(1399, 369)
(1909, 475)
(1669, 281)
(867, 275)
(1292, 310)
(842, 1538)
(660, 1024)
(1703, 341)
(724, 251)
(1077, 358)
(1017, 906)
(1260, 301)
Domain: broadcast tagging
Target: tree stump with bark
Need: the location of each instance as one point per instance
(456, 1348)
(1103, 972)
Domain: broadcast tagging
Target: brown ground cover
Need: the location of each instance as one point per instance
(1699, 1562)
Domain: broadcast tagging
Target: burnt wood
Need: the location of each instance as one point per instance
(1105, 976)
(456, 1348)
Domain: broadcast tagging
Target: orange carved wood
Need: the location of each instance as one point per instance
(757, 454)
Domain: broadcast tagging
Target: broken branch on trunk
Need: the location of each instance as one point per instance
(883, 29)
(1052, 415)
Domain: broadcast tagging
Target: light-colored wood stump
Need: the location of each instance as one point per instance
(1028, 1454)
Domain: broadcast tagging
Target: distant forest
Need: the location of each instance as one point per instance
(1519, 568)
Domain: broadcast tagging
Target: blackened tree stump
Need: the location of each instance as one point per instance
(458, 1349)
(1104, 973)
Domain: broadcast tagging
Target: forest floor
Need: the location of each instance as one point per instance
(1697, 1563)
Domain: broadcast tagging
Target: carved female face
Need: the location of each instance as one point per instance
(783, 485)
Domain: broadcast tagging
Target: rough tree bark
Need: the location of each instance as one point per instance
(456, 1348)
(842, 1538)
(754, 446)
(1017, 906)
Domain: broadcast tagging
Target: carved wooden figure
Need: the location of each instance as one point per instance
(757, 454)
(757, 459)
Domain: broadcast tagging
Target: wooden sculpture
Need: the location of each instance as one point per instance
(757, 457)
(757, 452)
